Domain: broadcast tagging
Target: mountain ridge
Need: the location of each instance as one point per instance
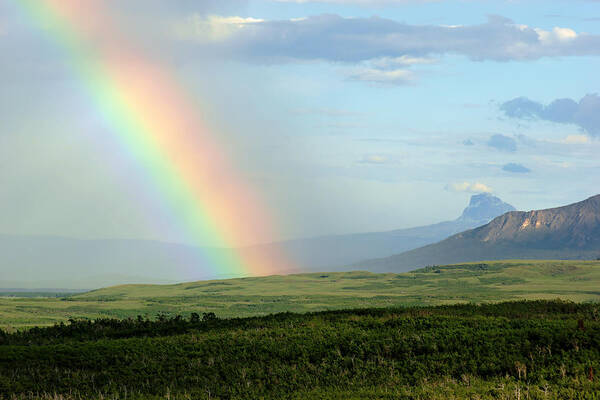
(335, 252)
(566, 232)
(43, 261)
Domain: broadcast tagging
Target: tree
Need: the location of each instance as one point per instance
(194, 317)
(207, 317)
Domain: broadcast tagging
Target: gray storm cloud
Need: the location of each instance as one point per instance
(335, 38)
(585, 113)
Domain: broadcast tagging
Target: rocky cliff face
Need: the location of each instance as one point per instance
(569, 232)
(575, 226)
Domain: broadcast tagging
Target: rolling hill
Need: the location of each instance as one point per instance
(568, 232)
(243, 297)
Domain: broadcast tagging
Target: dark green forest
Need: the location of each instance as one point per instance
(514, 350)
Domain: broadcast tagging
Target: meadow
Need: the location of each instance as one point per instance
(497, 281)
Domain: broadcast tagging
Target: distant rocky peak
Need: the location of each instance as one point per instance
(485, 207)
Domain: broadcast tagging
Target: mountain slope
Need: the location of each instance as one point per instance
(333, 252)
(54, 262)
(568, 232)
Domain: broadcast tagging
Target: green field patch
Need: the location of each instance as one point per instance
(207, 285)
(472, 282)
(501, 280)
(363, 276)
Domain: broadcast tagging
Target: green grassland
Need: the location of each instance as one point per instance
(475, 282)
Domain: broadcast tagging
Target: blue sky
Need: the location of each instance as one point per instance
(346, 116)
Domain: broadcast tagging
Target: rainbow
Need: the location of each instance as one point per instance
(156, 122)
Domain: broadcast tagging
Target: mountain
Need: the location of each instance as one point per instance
(55, 262)
(336, 251)
(569, 232)
(484, 207)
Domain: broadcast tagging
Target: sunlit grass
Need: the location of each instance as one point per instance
(474, 282)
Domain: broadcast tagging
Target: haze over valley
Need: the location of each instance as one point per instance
(57, 262)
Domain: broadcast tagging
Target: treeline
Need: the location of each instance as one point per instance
(164, 325)
(535, 350)
(110, 328)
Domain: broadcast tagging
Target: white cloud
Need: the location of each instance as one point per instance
(576, 139)
(374, 159)
(389, 70)
(402, 61)
(557, 35)
(210, 28)
(393, 77)
(360, 2)
(469, 187)
(386, 43)
(552, 163)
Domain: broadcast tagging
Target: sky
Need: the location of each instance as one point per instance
(341, 116)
